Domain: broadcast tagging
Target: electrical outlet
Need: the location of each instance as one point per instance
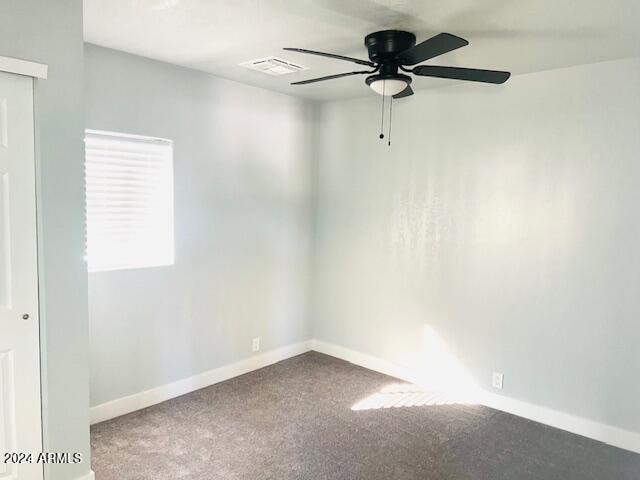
(497, 380)
(255, 344)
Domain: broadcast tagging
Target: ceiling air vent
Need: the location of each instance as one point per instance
(273, 66)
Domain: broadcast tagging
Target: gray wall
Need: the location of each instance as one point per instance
(499, 232)
(51, 33)
(242, 159)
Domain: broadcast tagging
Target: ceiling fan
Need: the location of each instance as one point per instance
(393, 50)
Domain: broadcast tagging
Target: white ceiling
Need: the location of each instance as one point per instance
(216, 35)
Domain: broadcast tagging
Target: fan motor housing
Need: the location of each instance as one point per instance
(385, 45)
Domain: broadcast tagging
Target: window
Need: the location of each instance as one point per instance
(129, 192)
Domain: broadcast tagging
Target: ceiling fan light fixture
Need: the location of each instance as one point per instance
(388, 84)
(388, 87)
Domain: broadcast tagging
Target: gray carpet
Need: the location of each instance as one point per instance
(293, 420)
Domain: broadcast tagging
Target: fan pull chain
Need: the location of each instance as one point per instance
(384, 84)
(390, 116)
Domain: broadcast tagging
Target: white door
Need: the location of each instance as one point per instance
(20, 410)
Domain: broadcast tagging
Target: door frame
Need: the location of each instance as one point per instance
(23, 67)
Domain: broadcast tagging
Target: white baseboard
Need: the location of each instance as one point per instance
(602, 432)
(588, 428)
(364, 360)
(137, 401)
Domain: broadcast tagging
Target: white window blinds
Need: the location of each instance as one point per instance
(129, 192)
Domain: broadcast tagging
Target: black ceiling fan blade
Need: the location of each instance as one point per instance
(433, 47)
(469, 74)
(332, 55)
(405, 93)
(331, 77)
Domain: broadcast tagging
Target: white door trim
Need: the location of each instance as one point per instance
(23, 67)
